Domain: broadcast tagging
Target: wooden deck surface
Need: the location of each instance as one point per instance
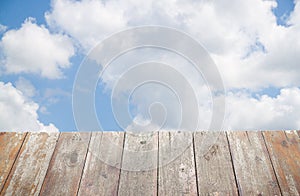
(238, 163)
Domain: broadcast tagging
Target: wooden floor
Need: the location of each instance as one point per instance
(239, 163)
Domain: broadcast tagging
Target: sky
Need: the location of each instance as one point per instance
(254, 44)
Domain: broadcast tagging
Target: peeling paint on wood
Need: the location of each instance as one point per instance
(102, 167)
(66, 165)
(177, 177)
(139, 150)
(29, 171)
(253, 168)
(214, 167)
(284, 150)
(61, 164)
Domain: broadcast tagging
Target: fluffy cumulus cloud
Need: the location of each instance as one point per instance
(19, 113)
(86, 21)
(250, 49)
(242, 36)
(264, 112)
(33, 49)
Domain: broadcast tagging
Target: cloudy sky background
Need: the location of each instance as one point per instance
(254, 43)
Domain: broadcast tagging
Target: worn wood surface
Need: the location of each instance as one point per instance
(214, 165)
(102, 166)
(10, 144)
(176, 177)
(253, 168)
(284, 150)
(65, 169)
(118, 163)
(30, 168)
(139, 164)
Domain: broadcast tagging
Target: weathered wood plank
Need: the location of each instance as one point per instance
(298, 133)
(65, 169)
(102, 167)
(30, 168)
(139, 165)
(284, 149)
(214, 166)
(10, 144)
(177, 177)
(253, 168)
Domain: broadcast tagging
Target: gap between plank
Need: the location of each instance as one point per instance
(195, 164)
(231, 157)
(157, 172)
(271, 162)
(87, 151)
(121, 162)
(49, 163)
(18, 154)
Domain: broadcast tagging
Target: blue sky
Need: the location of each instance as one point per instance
(54, 94)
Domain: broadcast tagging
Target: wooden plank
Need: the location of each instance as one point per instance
(102, 167)
(253, 168)
(298, 133)
(214, 166)
(65, 169)
(284, 150)
(177, 177)
(139, 165)
(30, 168)
(10, 144)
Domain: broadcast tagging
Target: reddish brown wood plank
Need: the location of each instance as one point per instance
(214, 167)
(139, 165)
(177, 174)
(65, 169)
(10, 144)
(253, 168)
(101, 170)
(284, 150)
(30, 168)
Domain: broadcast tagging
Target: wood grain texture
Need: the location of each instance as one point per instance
(284, 150)
(253, 168)
(139, 165)
(102, 167)
(214, 167)
(65, 169)
(178, 177)
(10, 144)
(30, 168)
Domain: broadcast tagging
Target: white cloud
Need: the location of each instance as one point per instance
(243, 36)
(33, 49)
(26, 87)
(264, 113)
(87, 21)
(252, 52)
(18, 112)
(2, 28)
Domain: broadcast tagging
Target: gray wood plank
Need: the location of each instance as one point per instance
(178, 177)
(65, 169)
(10, 144)
(253, 168)
(284, 150)
(139, 165)
(102, 166)
(30, 168)
(214, 166)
